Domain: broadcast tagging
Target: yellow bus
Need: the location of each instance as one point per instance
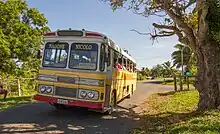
(78, 68)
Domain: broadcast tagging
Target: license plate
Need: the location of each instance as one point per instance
(61, 101)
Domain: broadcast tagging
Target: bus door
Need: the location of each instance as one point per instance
(109, 63)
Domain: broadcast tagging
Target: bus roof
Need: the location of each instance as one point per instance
(85, 33)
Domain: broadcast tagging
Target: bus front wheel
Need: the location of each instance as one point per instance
(59, 106)
(112, 103)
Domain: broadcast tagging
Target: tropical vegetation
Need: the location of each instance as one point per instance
(196, 25)
(175, 113)
(21, 30)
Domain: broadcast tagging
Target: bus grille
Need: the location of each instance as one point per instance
(66, 92)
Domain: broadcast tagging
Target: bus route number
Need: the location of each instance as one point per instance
(83, 47)
(57, 46)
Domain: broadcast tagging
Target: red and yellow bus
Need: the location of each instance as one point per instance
(78, 68)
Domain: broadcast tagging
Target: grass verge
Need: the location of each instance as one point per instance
(174, 113)
(14, 101)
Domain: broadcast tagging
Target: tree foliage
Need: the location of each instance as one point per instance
(178, 19)
(196, 24)
(176, 55)
(21, 31)
(145, 71)
(157, 70)
(168, 69)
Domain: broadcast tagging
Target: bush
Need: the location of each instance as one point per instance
(140, 77)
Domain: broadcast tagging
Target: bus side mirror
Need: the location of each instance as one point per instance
(39, 54)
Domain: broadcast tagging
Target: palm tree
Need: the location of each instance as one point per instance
(145, 71)
(187, 56)
(168, 69)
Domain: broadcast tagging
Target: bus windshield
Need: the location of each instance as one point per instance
(55, 55)
(83, 56)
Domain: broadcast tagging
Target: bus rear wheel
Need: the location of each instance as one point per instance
(131, 92)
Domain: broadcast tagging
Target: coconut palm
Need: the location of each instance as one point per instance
(187, 56)
(168, 69)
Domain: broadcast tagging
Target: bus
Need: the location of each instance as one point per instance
(80, 68)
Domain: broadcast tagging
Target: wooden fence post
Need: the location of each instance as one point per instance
(19, 88)
(187, 79)
(181, 83)
(175, 83)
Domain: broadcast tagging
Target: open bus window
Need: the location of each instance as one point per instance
(55, 55)
(109, 56)
(131, 67)
(124, 63)
(102, 58)
(115, 58)
(83, 56)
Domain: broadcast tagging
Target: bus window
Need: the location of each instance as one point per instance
(109, 56)
(102, 58)
(131, 67)
(55, 55)
(128, 65)
(120, 62)
(134, 68)
(83, 56)
(115, 57)
(124, 63)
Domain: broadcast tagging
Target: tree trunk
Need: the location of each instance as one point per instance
(208, 81)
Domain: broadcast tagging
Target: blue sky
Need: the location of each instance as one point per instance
(98, 16)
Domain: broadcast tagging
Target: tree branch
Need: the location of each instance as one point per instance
(183, 39)
(140, 32)
(164, 27)
(155, 34)
(181, 24)
(202, 7)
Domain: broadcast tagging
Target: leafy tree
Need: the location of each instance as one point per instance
(157, 71)
(145, 71)
(21, 30)
(196, 24)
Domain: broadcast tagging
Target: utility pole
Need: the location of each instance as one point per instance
(181, 78)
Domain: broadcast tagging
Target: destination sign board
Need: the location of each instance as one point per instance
(85, 46)
(56, 46)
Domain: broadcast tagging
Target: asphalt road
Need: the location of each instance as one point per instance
(43, 118)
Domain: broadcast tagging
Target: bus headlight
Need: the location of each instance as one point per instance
(83, 94)
(88, 94)
(42, 88)
(49, 89)
(91, 94)
(45, 89)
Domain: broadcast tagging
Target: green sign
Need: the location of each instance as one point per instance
(188, 73)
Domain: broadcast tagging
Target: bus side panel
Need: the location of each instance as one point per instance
(123, 82)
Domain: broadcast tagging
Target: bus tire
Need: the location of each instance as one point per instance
(59, 106)
(131, 92)
(113, 103)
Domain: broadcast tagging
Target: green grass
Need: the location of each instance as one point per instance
(12, 101)
(175, 113)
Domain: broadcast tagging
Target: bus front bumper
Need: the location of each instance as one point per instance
(70, 102)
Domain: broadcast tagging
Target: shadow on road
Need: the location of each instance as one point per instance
(41, 118)
(153, 82)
